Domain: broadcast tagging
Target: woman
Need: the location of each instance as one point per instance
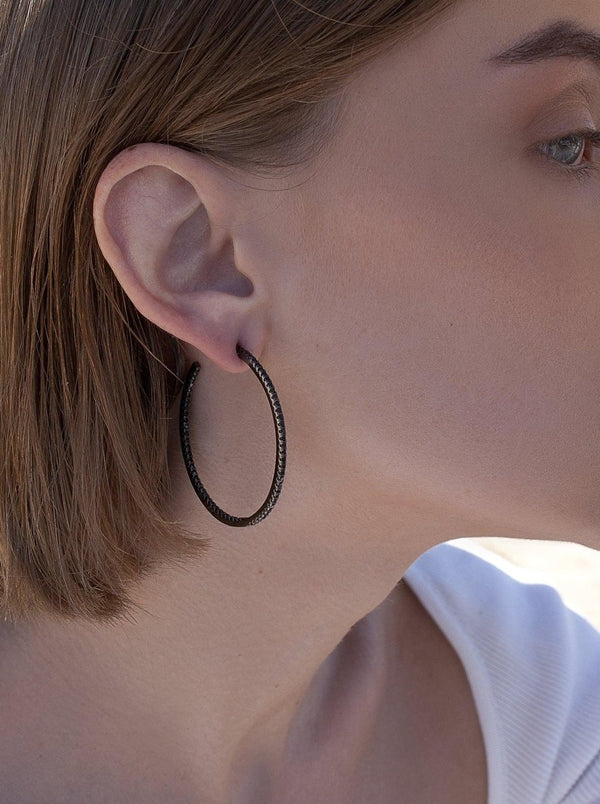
(386, 215)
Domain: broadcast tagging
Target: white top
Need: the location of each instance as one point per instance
(533, 665)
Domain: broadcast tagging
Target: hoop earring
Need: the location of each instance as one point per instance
(184, 435)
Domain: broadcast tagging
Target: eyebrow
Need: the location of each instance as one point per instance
(561, 38)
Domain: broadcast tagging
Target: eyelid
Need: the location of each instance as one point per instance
(577, 98)
(556, 131)
(589, 133)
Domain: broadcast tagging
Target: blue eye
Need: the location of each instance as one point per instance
(565, 151)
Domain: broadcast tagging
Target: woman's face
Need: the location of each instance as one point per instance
(440, 307)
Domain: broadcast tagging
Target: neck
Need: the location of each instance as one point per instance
(249, 652)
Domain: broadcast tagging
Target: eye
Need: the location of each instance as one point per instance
(566, 151)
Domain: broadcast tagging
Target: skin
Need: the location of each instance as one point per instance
(425, 296)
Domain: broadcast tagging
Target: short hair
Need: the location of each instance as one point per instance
(87, 384)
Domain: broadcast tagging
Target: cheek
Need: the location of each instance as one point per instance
(463, 356)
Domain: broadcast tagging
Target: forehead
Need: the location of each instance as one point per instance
(495, 36)
(503, 33)
(481, 52)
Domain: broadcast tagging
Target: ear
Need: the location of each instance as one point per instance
(165, 222)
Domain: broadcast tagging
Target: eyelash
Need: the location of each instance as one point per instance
(583, 171)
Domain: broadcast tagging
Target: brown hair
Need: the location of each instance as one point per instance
(86, 382)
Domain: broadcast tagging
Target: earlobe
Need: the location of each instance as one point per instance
(160, 224)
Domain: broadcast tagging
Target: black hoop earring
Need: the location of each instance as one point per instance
(184, 434)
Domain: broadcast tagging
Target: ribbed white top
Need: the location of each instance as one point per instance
(534, 669)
